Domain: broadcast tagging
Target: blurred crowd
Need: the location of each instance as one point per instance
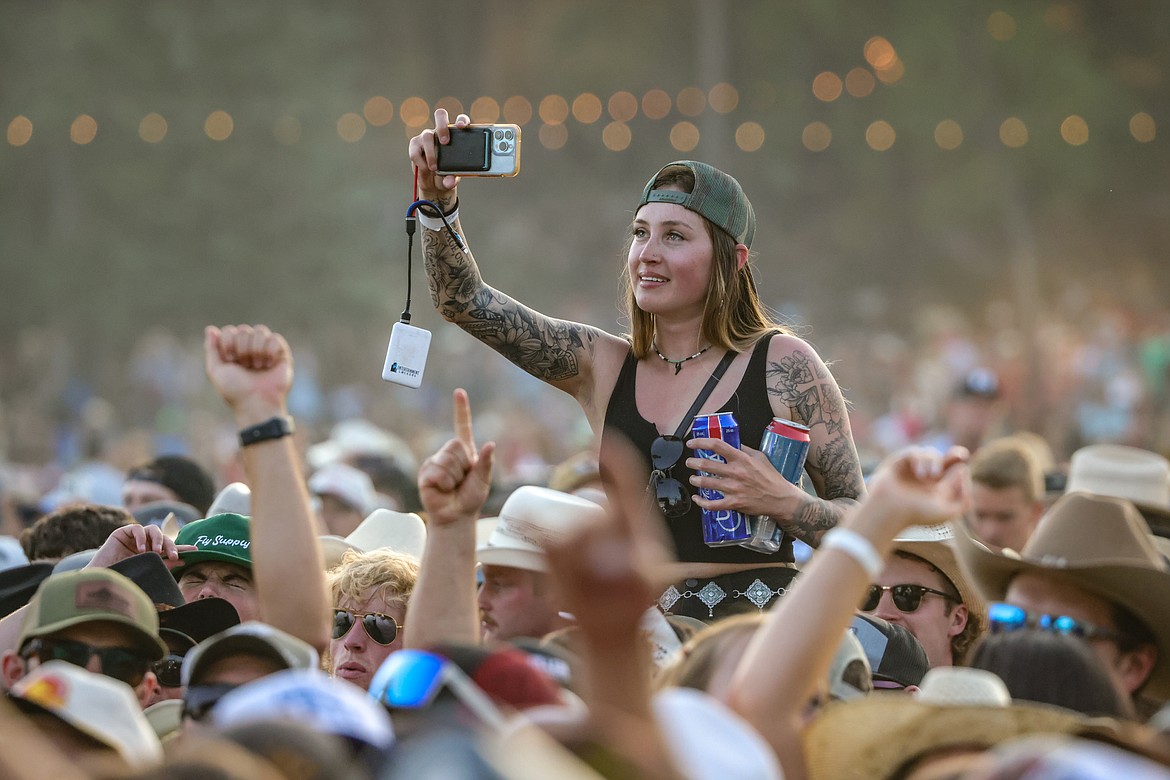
(1095, 369)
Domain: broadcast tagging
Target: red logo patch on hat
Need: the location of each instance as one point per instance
(102, 596)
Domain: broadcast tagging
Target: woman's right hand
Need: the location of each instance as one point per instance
(424, 154)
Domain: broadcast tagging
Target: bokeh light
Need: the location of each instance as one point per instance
(518, 110)
(723, 98)
(553, 136)
(83, 130)
(152, 128)
(1013, 132)
(452, 104)
(879, 53)
(554, 110)
(1074, 130)
(827, 86)
(948, 134)
(749, 136)
(816, 136)
(1001, 26)
(656, 104)
(859, 83)
(587, 108)
(351, 127)
(684, 136)
(622, 106)
(893, 73)
(485, 110)
(218, 126)
(20, 130)
(415, 113)
(378, 111)
(880, 135)
(1142, 127)
(616, 136)
(287, 130)
(691, 101)
(1062, 17)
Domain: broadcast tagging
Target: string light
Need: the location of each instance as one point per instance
(587, 108)
(20, 131)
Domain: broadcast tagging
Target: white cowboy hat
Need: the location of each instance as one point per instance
(403, 532)
(1140, 476)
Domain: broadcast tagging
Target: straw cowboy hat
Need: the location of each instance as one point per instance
(1099, 543)
(873, 737)
(1141, 476)
(935, 545)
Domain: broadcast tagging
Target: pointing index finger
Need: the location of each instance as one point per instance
(463, 429)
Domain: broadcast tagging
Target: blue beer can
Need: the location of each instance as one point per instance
(786, 444)
(722, 527)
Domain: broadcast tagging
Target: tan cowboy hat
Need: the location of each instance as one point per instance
(1099, 543)
(873, 737)
(935, 545)
(403, 532)
(1141, 476)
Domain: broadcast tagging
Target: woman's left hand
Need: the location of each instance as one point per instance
(748, 481)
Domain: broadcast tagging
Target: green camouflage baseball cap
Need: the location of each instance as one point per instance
(716, 196)
(225, 537)
(92, 595)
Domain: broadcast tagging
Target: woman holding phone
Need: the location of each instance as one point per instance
(691, 300)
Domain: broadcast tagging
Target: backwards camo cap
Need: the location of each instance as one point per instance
(716, 196)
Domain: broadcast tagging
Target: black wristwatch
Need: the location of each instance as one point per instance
(275, 428)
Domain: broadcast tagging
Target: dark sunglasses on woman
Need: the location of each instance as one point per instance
(381, 628)
(907, 597)
(673, 498)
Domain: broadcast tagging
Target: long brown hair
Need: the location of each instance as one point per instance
(733, 316)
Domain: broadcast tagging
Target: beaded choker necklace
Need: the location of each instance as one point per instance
(678, 364)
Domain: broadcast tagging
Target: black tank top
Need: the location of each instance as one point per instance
(753, 411)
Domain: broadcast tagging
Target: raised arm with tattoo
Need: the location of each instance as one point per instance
(800, 389)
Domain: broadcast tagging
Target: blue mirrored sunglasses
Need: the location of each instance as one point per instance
(413, 679)
(1009, 617)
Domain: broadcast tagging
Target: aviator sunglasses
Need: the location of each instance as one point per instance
(673, 498)
(907, 597)
(1008, 617)
(117, 662)
(383, 629)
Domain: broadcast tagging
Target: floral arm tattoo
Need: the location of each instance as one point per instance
(803, 382)
(548, 348)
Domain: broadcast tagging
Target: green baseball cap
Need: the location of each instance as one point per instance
(92, 595)
(225, 537)
(716, 196)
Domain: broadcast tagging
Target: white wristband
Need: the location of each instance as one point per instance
(434, 223)
(857, 547)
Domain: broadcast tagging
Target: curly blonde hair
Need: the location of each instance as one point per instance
(385, 573)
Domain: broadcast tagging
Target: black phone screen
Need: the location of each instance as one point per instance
(468, 151)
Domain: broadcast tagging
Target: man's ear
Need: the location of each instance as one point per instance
(1134, 666)
(147, 690)
(12, 668)
(959, 616)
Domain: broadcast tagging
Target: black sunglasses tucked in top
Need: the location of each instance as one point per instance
(673, 498)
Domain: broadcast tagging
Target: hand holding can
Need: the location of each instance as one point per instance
(786, 444)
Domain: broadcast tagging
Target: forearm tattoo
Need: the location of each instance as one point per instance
(805, 385)
(547, 348)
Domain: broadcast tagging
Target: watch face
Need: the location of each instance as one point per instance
(276, 428)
